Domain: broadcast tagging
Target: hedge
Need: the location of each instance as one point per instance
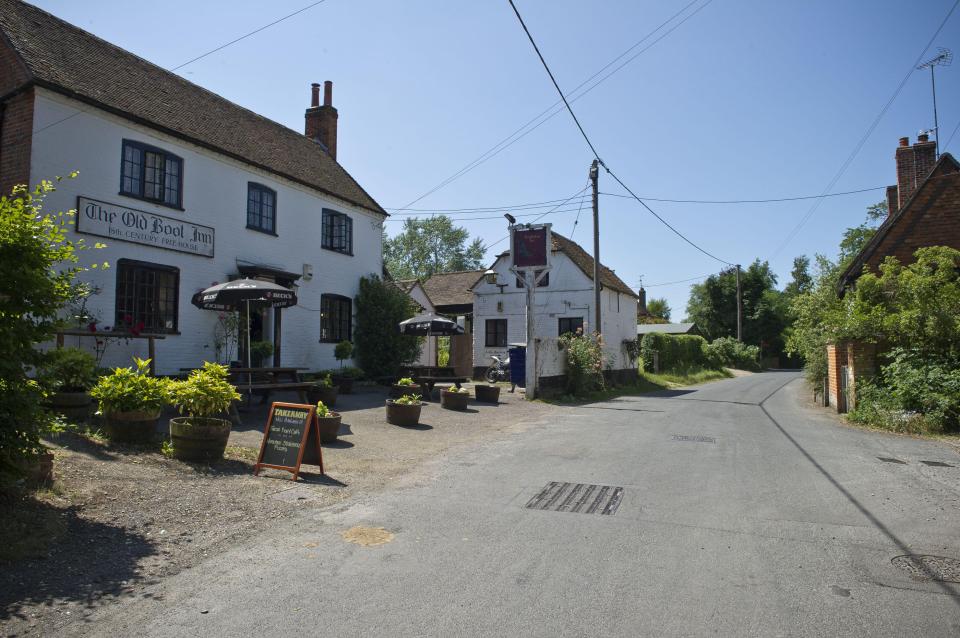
(676, 351)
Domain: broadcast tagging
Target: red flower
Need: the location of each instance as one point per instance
(92, 326)
(127, 319)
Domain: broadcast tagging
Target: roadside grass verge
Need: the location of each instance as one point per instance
(647, 382)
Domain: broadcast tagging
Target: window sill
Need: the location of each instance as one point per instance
(339, 252)
(333, 341)
(262, 231)
(151, 201)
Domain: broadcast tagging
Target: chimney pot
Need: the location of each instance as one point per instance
(923, 137)
(314, 94)
(328, 93)
(904, 141)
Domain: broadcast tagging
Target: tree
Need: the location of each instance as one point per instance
(431, 245)
(658, 308)
(713, 307)
(39, 262)
(801, 281)
(379, 347)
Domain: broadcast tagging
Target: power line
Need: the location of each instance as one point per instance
(866, 135)
(550, 202)
(179, 66)
(523, 131)
(680, 281)
(577, 219)
(596, 155)
(950, 139)
(472, 219)
(488, 246)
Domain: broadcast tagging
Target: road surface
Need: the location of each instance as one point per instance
(744, 512)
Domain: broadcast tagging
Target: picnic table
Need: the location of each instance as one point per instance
(266, 380)
(429, 381)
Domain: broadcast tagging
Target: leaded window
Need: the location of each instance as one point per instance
(146, 299)
(337, 232)
(261, 208)
(336, 321)
(496, 333)
(152, 174)
(569, 324)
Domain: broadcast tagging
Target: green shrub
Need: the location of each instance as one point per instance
(260, 350)
(379, 347)
(342, 351)
(68, 370)
(205, 393)
(727, 352)
(129, 390)
(584, 355)
(677, 352)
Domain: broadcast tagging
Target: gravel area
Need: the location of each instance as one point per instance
(118, 519)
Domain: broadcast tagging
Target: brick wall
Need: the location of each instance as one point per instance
(862, 359)
(16, 127)
(836, 358)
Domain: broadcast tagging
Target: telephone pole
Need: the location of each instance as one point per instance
(739, 308)
(594, 178)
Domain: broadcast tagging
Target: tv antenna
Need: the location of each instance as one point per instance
(943, 58)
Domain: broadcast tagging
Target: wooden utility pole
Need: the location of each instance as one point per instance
(594, 178)
(739, 307)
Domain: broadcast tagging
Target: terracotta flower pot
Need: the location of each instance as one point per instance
(329, 427)
(199, 439)
(454, 400)
(397, 391)
(487, 393)
(322, 393)
(131, 427)
(406, 415)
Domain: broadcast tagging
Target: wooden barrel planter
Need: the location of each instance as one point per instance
(406, 415)
(454, 400)
(329, 427)
(131, 427)
(397, 391)
(327, 394)
(199, 439)
(73, 405)
(487, 393)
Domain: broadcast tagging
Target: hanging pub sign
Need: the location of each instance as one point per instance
(291, 438)
(140, 227)
(530, 246)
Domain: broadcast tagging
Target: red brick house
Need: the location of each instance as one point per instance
(924, 210)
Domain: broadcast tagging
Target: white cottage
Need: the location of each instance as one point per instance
(564, 302)
(186, 189)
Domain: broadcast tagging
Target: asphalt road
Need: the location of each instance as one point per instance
(743, 513)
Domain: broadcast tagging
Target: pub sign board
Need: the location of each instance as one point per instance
(140, 227)
(291, 438)
(530, 249)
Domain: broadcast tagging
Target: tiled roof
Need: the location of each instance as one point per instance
(68, 60)
(452, 288)
(584, 261)
(928, 218)
(406, 285)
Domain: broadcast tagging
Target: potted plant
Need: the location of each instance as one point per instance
(323, 391)
(329, 422)
(454, 398)
(406, 385)
(129, 402)
(405, 410)
(202, 435)
(345, 378)
(487, 393)
(69, 373)
(343, 350)
(260, 350)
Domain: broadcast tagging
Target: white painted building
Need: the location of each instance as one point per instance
(564, 301)
(414, 289)
(186, 189)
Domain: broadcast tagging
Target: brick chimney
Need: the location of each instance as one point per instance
(321, 121)
(642, 303)
(914, 164)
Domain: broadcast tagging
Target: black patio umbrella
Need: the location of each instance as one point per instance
(232, 295)
(430, 325)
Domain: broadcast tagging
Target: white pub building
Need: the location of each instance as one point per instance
(186, 189)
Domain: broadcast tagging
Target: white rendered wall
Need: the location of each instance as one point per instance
(569, 294)
(214, 194)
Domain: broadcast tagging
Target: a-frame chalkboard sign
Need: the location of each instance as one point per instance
(292, 437)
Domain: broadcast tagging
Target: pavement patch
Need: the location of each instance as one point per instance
(926, 568)
(367, 536)
(887, 459)
(936, 463)
(694, 438)
(577, 498)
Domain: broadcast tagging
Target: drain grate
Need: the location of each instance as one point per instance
(925, 567)
(887, 459)
(936, 463)
(697, 438)
(579, 498)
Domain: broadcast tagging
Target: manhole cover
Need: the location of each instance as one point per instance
(579, 498)
(886, 459)
(923, 567)
(695, 438)
(936, 463)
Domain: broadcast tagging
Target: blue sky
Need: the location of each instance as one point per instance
(748, 99)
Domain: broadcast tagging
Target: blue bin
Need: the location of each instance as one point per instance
(518, 365)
